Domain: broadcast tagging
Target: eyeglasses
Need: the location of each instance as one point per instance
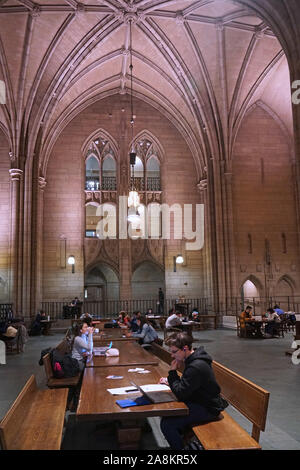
(174, 352)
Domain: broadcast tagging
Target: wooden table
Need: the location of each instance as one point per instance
(131, 354)
(112, 334)
(96, 403)
(46, 326)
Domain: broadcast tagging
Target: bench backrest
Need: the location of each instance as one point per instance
(48, 366)
(248, 398)
(16, 414)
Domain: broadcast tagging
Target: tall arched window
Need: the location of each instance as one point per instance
(109, 173)
(137, 175)
(153, 174)
(92, 174)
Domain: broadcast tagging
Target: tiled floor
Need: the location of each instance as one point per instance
(262, 361)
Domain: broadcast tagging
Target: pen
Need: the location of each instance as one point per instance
(131, 390)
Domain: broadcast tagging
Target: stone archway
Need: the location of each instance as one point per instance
(147, 278)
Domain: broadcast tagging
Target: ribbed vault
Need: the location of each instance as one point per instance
(202, 63)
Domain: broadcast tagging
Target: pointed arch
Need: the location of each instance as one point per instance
(257, 283)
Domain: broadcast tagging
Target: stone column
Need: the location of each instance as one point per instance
(219, 248)
(202, 188)
(231, 264)
(37, 293)
(15, 192)
(125, 261)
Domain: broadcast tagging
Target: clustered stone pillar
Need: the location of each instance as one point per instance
(15, 193)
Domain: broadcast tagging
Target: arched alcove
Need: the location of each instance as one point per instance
(102, 290)
(92, 173)
(153, 174)
(146, 280)
(251, 293)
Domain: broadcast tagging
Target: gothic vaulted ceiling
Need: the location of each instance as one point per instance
(203, 63)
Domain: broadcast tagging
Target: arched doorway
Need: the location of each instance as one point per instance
(147, 278)
(284, 294)
(250, 295)
(101, 291)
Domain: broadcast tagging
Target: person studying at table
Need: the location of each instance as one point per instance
(146, 333)
(197, 388)
(82, 344)
(173, 321)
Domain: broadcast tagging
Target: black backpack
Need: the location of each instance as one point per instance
(43, 353)
(63, 365)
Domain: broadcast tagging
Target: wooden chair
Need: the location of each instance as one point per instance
(35, 420)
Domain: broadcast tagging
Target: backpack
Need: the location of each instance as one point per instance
(63, 365)
(43, 353)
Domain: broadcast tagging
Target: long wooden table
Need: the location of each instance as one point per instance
(130, 354)
(96, 403)
(112, 334)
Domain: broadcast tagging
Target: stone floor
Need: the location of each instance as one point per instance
(262, 361)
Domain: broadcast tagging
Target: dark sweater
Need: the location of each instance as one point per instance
(197, 383)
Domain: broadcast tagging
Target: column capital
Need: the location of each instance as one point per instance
(15, 174)
(202, 185)
(42, 183)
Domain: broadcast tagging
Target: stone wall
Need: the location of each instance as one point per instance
(266, 238)
(64, 203)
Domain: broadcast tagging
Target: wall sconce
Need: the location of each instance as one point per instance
(177, 260)
(71, 261)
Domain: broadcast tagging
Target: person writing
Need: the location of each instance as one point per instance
(173, 321)
(146, 333)
(197, 388)
(82, 344)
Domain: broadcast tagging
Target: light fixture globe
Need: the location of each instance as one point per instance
(133, 199)
(133, 217)
(179, 259)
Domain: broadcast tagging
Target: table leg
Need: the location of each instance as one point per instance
(129, 435)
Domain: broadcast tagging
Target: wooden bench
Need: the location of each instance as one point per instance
(249, 399)
(35, 420)
(64, 382)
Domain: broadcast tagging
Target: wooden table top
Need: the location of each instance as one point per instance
(130, 353)
(96, 403)
(112, 334)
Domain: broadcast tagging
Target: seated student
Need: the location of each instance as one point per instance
(194, 315)
(37, 327)
(245, 321)
(273, 319)
(146, 333)
(133, 324)
(124, 319)
(173, 321)
(82, 344)
(278, 310)
(87, 318)
(197, 388)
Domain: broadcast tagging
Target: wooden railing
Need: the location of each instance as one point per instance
(111, 308)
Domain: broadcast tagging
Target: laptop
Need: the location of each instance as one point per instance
(157, 397)
(100, 351)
